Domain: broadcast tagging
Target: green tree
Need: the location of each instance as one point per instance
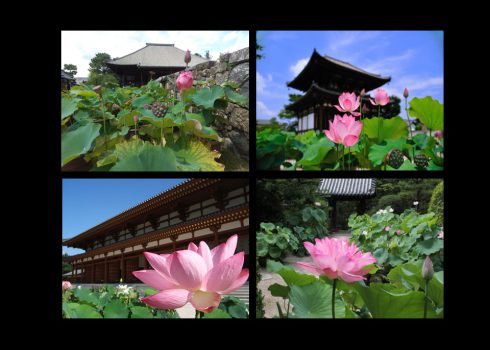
(436, 204)
(106, 80)
(259, 48)
(281, 201)
(70, 69)
(98, 63)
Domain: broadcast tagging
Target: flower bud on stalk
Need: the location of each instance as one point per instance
(405, 93)
(187, 57)
(427, 269)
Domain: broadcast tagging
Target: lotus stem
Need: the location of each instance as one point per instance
(379, 120)
(333, 297)
(426, 297)
(409, 127)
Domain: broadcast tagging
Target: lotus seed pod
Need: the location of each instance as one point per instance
(421, 161)
(394, 158)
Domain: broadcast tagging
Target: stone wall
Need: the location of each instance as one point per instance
(233, 123)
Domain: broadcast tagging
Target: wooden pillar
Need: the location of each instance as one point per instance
(145, 262)
(361, 208)
(333, 221)
(93, 270)
(123, 268)
(105, 267)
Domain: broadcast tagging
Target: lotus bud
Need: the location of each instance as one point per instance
(405, 93)
(187, 57)
(364, 109)
(439, 134)
(135, 118)
(363, 92)
(427, 269)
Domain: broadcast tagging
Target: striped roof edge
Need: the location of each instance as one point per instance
(348, 187)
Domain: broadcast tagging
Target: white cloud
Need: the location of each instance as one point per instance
(390, 64)
(268, 87)
(298, 66)
(349, 41)
(78, 47)
(264, 111)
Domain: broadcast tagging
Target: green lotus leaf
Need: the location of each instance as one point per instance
(393, 128)
(68, 107)
(198, 157)
(377, 153)
(141, 312)
(77, 142)
(116, 309)
(314, 300)
(235, 97)
(315, 153)
(138, 155)
(206, 97)
(428, 111)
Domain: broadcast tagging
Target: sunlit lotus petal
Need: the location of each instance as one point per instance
(197, 275)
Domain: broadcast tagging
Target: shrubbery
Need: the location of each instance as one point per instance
(436, 204)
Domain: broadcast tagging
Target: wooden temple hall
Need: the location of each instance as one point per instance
(322, 80)
(336, 190)
(196, 210)
(150, 62)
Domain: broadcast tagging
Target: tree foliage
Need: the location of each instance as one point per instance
(281, 201)
(436, 204)
(70, 69)
(389, 111)
(259, 48)
(98, 63)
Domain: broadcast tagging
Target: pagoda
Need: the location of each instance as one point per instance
(322, 80)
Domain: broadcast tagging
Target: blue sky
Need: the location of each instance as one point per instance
(413, 59)
(88, 202)
(79, 47)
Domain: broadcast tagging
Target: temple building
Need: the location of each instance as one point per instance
(335, 190)
(322, 80)
(196, 210)
(150, 62)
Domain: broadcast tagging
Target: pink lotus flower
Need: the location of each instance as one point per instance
(387, 228)
(185, 80)
(335, 258)
(196, 275)
(398, 232)
(381, 98)
(66, 285)
(439, 134)
(348, 103)
(187, 57)
(136, 118)
(441, 234)
(344, 130)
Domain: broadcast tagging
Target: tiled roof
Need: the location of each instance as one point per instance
(157, 55)
(348, 187)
